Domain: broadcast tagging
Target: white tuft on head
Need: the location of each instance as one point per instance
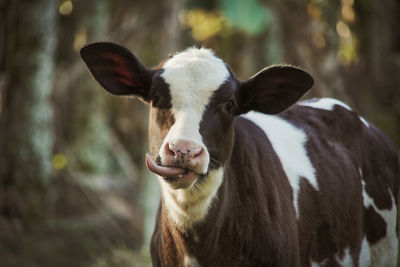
(192, 76)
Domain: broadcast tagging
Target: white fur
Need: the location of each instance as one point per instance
(321, 264)
(323, 103)
(328, 104)
(192, 75)
(383, 253)
(189, 261)
(365, 254)
(288, 142)
(188, 206)
(364, 121)
(367, 201)
(346, 260)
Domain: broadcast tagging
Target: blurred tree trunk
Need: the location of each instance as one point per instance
(305, 42)
(375, 79)
(26, 118)
(170, 23)
(90, 140)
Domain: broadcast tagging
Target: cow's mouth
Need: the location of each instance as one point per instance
(176, 176)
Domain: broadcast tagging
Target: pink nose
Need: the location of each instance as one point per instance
(185, 153)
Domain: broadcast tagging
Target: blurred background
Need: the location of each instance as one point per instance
(74, 190)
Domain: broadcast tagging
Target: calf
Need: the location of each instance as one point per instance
(315, 185)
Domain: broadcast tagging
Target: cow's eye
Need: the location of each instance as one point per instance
(230, 106)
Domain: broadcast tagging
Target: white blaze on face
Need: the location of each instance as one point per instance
(192, 75)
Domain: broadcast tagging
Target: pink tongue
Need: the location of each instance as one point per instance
(161, 170)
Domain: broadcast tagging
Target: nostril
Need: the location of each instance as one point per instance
(198, 152)
(169, 151)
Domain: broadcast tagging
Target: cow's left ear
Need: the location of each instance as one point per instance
(273, 89)
(117, 69)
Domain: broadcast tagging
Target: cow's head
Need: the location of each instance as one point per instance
(193, 99)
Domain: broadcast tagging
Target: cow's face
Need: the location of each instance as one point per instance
(192, 106)
(193, 100)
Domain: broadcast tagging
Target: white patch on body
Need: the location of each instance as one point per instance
(323, 103)
(192, 75)
(189, 261)
(364, 121)
(384, 252)
(288, 142)
(321, 264)
(365, 254)
(345, 260)
(328, 104)
(188, 206)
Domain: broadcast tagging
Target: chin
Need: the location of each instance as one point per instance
(182, 181)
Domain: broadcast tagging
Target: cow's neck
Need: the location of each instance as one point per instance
(186, 246)
(185, 221)
(186, 207)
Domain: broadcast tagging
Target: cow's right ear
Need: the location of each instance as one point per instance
(273, 89)
(117, 69)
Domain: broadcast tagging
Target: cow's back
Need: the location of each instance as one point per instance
(344, 174)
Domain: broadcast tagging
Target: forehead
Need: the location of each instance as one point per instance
(193, 75)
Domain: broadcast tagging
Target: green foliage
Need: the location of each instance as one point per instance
(247, 15)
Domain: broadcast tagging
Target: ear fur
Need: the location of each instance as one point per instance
(117, 69)
(273, 89)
